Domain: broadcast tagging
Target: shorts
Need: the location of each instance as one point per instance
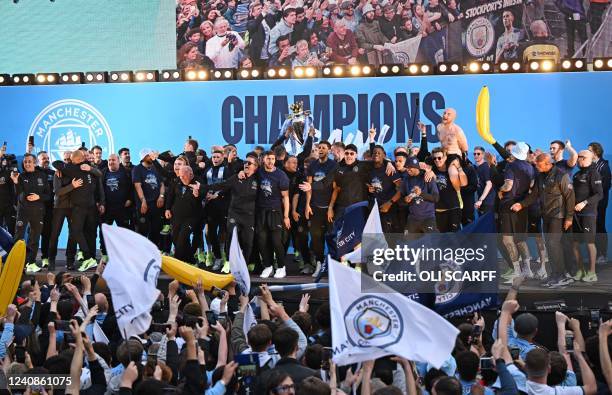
(451, 157)
(584, 229)
(513, 223)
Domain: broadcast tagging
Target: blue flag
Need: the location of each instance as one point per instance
(6, 243)
(347, 231)
(469, 300)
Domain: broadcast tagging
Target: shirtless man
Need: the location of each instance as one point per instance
(452, 139)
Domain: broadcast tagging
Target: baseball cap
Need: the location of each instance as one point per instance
(144, 152)
(412, 162)
(367, 8)
(520, 150)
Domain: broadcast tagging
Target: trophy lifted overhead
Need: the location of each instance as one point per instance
(296, 127)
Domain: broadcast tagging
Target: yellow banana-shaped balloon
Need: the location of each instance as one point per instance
(11, 275)
(189, 274)
(483, 122)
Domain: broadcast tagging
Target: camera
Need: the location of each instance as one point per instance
(595, 318)
(486, 363)
(475, 335)
(515, 353)
(569, 341)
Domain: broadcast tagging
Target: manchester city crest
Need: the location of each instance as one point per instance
(373, 321)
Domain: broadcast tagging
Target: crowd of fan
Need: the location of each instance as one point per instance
(232, 34)
(66, 325)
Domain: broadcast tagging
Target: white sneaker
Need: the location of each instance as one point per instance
(541, 274)
(281, 272)
(317, 270)
(527, 273)
(601, 260)
(266, 272)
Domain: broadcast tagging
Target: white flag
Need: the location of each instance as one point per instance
(367, 326)
(372, 226)
(249, 320)
(131, 274)
(336, 135)
(238, 265)
(383, 133)
(405, 52)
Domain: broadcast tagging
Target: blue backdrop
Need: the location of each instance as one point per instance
(536, 108)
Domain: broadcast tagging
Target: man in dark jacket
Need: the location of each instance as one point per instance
(32, 191)
(43, 166)
(588, 192)
(259, 25)
(119, 194)
(603, 168)
(556, 192)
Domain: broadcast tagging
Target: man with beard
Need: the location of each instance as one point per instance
(216, 208)
(83, 214)
(32, 191)
(272, 214)
(588, 191)
(421, 197)
(182, 206)
(150, 193)
(390, 23)
(448, 207)
(118, 192)
(555, 189)
(320, 176)
(43, 166)
(369, 35)
(298, 233)
(243, 189)
(518, 178)
(508, 42)
(383, 188)
(61, 211)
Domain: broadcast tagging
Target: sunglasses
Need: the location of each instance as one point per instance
(247, 163)
(438, 158)
(349, 153)
(477, 153)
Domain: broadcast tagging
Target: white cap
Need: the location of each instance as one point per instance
(144, 152)
(520, 150)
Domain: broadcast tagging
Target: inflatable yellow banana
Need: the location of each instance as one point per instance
(189, 274)
(483, 121)
(11, 275)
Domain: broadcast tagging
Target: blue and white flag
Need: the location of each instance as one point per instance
(238, 266)
(133, 267)
(367, 326)
(347, 230)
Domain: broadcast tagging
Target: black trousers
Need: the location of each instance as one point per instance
(246, 235)
(468, 212)
(118, 215)
(7, 218)
(319, 226)
(601, 237)
(32, 216)
(553, 232)
(57, 223)
(422, 226)
(46, 232)
(83, 224)
(216, 220)
(269, 228)
(149, 224)
(572, 27)
(449, 220)
(182, 229)
(388, 219)
(298, 235)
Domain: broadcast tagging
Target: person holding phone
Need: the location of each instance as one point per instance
(32, 191)
(7, 190)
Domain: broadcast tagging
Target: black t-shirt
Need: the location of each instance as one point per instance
(322, 182)
(484, 174)
(271, 184)
(449, 196)
(149, 180)
(182, 202)
(522, 174)
(117, 187)
(295, 179)
(565, 167)
(352, 179)
(384, 185)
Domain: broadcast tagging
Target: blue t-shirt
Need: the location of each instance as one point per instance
(565, 167)
(271, 184)
(522, 174)
(149, 180)
(384, 185)
(419, 209)
(322, 181)
(484, 174)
